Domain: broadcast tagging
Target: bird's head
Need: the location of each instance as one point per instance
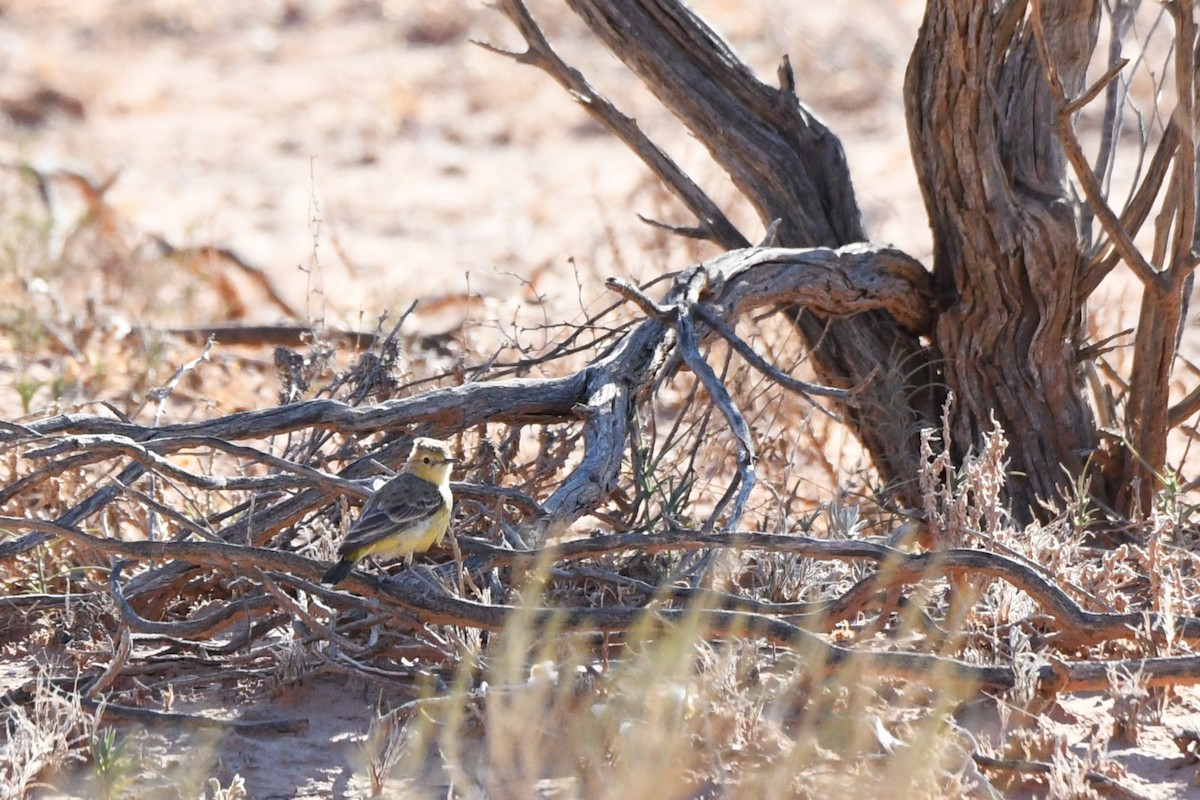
(431, 459)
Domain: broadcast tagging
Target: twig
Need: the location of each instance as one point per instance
(1098, 781)
(502, 494)
(816, 616)
(1100, 85)
(639, 298)
(541, 55)
(179, 721)
(105, 446)
(1083, 170)
(771, 371)
(206, 626)
(105, 679)
(688, 348)
(212, 253)
(313, 624)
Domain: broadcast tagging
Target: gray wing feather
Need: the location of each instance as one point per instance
(399, 502)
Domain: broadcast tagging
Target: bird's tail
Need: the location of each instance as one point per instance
(338, 572)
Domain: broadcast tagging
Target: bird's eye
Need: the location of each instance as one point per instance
(427, 460)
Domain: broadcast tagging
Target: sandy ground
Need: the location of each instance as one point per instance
(366, 154)
(374, 141)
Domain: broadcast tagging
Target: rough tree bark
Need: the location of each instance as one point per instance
(1007, 262)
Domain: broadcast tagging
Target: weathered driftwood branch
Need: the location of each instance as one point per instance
(1078, 627)
(1101, 784)
(93, 448)
(432, 606)
(854, 279)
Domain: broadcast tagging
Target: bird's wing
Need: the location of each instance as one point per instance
(399, 503)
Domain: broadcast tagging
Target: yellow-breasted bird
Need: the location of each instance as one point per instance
(407, 515)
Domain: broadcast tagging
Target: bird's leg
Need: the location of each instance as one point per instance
(400, 570)
(457, 560)
(379, 568)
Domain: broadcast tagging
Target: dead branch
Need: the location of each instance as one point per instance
(713, 224)
(1102, 784)
(1065, 129)
(432, 606)
(203, 627)
(201, 257)
(177, 721)
(101, 447)
(281, 335)
(114, 668)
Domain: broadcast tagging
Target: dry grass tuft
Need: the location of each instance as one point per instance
(43, 736)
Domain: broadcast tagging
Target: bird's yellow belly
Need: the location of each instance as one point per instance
(417, 539)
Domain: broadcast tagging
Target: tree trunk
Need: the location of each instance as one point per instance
(1007, 261)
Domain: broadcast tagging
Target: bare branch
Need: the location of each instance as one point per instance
(713, 223)
(1092, 189)
(774, 373)
(436, 608)
(1100, 85)
(1079, 627)
(204, 626)
(1183, 260)
(689, 350)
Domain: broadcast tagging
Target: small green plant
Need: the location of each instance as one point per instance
(28, 331)
(664, 483)
(1172, 500)
(112, 766)
(62, 386)
(26, 388)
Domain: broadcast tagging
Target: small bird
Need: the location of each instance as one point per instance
(409, 514)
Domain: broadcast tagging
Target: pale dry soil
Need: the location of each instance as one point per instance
(365, 154)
